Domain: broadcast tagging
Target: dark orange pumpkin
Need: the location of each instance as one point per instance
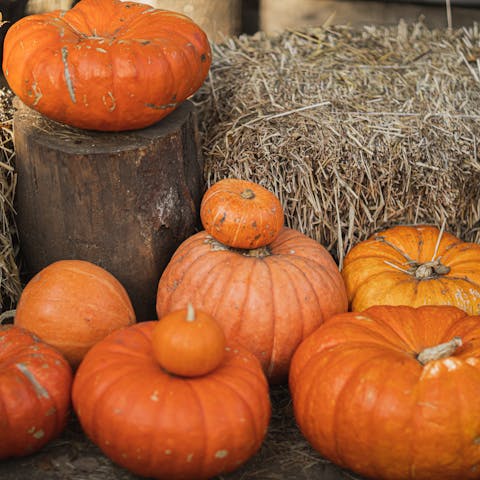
(35, 382)
(71, 305)
(266, 299)
(413, 265)
(106, 64)
(241, 214)
(393, 392)
(163, 426)
(188, 342)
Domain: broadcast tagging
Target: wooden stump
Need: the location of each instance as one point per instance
(124, 201)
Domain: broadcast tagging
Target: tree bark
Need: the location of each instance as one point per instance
(124, 201)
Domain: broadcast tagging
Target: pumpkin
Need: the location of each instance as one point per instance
(35, 382)
(188, 342)
(413, 265)
(241, 214)
(163, 426)
(266, 299)
(393, 392)
(71, 305)
(106, 64)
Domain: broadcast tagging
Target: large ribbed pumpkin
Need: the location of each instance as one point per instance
(73, 304)
(267, 299)
(106, 64)
(393, 393)
(413, 265)
(35, 382)
(163, 426)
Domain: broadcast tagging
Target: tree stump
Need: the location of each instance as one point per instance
(123, 201)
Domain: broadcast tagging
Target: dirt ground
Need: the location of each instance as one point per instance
(285, 455)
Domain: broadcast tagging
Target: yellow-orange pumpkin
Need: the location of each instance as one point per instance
(413, 265)
(71, 305)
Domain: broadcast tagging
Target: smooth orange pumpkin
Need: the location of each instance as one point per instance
(413, 265)
(266, 299)
(106, 64)
(393, 392)
(35, 382)
(163, 426)
(241, 214)
(71, 305)
(188, 342)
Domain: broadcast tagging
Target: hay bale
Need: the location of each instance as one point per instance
(10, 286)
(354, 130)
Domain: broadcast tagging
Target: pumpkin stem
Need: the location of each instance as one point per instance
(427, 270)
(7, 314)
(440, 351)
(190, 313)
(248, 194)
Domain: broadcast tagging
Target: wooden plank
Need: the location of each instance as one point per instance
(277, 16)
(124, 201)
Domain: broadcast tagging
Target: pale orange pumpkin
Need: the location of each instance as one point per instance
(267, 299)
(413, 265)
(71, 305)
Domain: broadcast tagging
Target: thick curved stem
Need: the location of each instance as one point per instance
(440, 351)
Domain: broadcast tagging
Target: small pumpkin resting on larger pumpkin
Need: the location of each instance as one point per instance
(35, 382)
(164, 426)
(241, 214)
(266, 298)
(188, 342)
(71, 305)
(393, 393)
(413, 265)
(106, 64)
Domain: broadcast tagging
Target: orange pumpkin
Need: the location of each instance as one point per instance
(393, 392)
(71, 305)
(162, 426)
(106, 64)
(241, 214)
(35, 382)
(266, 299)
(413, 265)
(188, 342)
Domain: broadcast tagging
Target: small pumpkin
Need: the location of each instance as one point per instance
(35, 382)
(413, 265)
(267, 299)
(188, 342)
(71, 305)
(106, 64)
(393, 393)
(241, 214)
(164, 426)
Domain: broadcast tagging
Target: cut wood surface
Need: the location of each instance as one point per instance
(124, 201)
